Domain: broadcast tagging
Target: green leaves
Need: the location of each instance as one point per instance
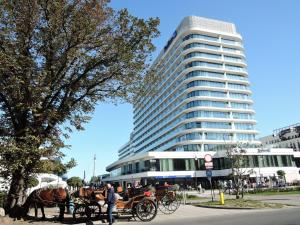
(280, 173)
(75, 182)
(32, 182)
(55, 166)
(57, 60)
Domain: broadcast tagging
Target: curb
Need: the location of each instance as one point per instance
(221, 207)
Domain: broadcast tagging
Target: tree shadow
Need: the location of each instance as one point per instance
(55, 220)
(66, 220)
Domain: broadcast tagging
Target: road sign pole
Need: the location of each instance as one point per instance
(211, 191)
(209, 166)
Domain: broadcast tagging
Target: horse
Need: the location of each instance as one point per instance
(90, 193)
(49, 198)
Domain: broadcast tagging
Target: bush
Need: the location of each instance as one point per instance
(262, 190)
(192, 197)
(3, 196)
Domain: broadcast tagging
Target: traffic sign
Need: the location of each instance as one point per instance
(208, 158)
(209, 165)
(209, 173)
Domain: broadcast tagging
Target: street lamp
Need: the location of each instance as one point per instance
(196, 166)
(259, 161)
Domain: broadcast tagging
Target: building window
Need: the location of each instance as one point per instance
(207, 93)
(192, 147)
(166, 165)
(200, 36)
(205, 83)
(244, 126)
(204, 64)
(201, 45)
(200, 73)
(202, 54)
(206, 103)
(179, 165)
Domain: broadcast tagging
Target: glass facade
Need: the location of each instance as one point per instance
(250, 161)
(214, 114)
(204, 77)
(202, 54)
(201, 45)
(201, 73)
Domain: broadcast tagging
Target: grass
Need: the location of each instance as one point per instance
(242, 203)
(191, 197)
(274, 193)
(278, 191)
(194, 197)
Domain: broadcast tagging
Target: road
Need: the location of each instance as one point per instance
(274, 217)
(291, 199)
(190, 215)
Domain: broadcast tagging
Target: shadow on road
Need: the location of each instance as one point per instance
(67, 220)
(70, 220)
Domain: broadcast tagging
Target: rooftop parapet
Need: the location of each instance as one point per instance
(206, 24)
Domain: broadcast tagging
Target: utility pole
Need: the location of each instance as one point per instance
(83, 181)
(94, 167)
(196, 168)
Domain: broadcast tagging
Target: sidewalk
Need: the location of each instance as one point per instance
(206, 196)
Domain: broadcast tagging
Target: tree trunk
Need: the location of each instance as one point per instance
(237, 196)
(15, 193)
(242, 191)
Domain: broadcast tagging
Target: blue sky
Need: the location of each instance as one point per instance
(271, 34)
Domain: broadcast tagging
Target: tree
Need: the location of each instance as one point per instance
(281, 173)
(56, 166)
(75, 182)
(239, 167)
(57, 60)
(95, 180)
(32, 182)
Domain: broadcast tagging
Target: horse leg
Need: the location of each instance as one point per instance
(61, 212)
(43, 212)
(35, 210)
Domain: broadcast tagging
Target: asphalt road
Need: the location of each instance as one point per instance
(289, 216)
(203, 216)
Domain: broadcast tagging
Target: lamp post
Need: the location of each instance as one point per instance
(196, 167)
(259, 176)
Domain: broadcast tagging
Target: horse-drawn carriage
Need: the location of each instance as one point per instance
(88, 204)
(167, 198)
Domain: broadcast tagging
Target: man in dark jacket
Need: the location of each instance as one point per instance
(110, 202)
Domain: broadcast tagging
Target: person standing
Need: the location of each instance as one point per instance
(111, 200)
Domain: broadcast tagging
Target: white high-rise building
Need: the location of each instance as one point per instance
(202, 104)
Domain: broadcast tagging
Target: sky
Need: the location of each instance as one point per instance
(271, 35)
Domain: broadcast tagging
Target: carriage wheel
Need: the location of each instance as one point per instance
(146, 210)
(81, 211)
(169, 204)
(94, 210)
